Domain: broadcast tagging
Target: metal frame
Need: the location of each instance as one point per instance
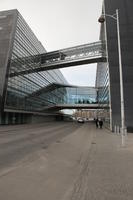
(79, 55)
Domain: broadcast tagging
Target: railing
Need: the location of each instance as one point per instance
(79, 52)
(78, 55)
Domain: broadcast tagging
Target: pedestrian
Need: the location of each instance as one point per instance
(96, 121)
(100, 123)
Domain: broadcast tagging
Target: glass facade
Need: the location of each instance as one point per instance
(71, 95)
(37, 90)
(81, 95)
(23, 88)
(25, 91)
(20, 88)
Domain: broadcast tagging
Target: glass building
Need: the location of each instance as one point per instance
(68, 94)
(26, 88)
(17, 43)
(22, 94)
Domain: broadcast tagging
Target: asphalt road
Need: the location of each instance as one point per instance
(19, 141)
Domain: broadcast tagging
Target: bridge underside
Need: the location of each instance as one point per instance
(75, 106)
(62, 64)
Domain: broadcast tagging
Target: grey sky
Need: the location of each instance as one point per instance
(60, 24)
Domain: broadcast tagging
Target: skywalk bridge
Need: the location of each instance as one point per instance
(90, 106)
(78, 55)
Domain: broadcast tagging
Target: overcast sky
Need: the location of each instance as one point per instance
(60, 24)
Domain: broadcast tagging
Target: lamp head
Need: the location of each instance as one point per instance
(101, 19)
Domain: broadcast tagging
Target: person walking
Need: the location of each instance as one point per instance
(100, 123)
(96, 121)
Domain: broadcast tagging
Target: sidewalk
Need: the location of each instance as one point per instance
(89, 164)
(107, 173)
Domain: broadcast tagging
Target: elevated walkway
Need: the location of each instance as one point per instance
(78, 55)
(75, 106)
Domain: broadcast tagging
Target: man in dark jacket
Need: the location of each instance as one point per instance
(100, 123)
(96, 121)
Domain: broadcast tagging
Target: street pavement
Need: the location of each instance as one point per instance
(64, 161)
(19, 141)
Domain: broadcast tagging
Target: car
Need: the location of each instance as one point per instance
(80, 120)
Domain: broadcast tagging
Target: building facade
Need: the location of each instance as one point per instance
(17, 43)
(109, 34)
(25, 94)
(23, 89)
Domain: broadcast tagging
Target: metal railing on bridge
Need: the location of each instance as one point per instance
(91, 106)
(82, 52)
(78, 55)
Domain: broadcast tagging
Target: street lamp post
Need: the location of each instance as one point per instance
(101, 20)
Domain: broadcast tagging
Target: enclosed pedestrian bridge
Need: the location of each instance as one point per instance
(78, 55)
(89, 106)
(55, 96)
(65, 96)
